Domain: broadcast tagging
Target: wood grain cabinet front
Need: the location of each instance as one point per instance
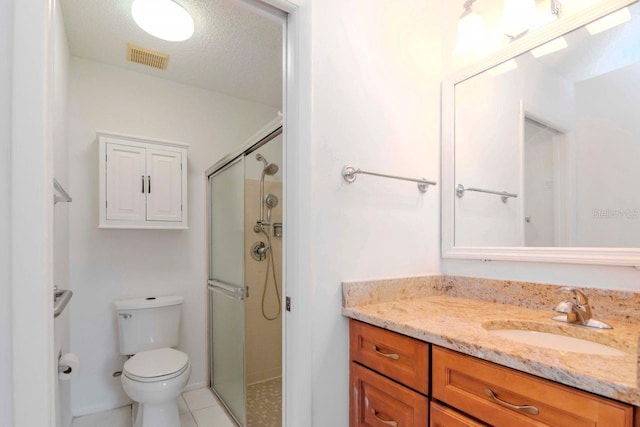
(443, 416)
(377, 401)
(501, 396)
(396, 356)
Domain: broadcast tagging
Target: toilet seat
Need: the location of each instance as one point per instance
(156, 365)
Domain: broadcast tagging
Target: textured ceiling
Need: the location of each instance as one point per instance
(233, 50)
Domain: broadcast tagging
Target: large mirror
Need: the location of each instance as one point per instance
(541, 145)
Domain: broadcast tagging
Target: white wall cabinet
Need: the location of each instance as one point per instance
(143, 183)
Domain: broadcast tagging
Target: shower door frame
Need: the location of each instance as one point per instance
(255, 142)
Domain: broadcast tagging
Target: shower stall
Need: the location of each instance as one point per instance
(245, 282)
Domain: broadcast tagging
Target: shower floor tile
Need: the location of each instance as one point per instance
(264, 404)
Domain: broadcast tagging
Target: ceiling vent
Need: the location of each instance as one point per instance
(147, 57)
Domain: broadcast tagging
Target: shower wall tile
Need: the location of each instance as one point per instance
(263, 341)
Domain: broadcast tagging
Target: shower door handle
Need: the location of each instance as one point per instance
(239, 293)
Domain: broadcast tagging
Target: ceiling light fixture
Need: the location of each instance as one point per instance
(163, 19)
(612, 20)
(471, 32)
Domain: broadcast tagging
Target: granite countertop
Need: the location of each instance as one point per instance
(439, 316)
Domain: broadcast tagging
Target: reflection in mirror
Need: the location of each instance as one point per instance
(558, 128)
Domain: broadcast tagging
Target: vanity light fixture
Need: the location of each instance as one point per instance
(547, 48)
(612, 20)
(518, 17)
(164, 19)
(471, 31)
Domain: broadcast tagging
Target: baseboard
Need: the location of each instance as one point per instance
(195, 386)
(100, 408)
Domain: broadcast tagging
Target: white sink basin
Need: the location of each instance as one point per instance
(557, 342)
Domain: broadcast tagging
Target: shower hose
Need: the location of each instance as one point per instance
(270, 266)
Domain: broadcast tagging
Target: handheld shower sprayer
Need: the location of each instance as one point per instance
(271, 201)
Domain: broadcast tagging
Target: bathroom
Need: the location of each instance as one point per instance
(370, 77)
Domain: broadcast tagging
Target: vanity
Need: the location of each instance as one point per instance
(539, 143)
(424, 351)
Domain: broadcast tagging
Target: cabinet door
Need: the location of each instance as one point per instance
(164, 185)
(125, 173)
(377, 401)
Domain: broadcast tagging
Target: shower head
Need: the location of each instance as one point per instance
(269, 168)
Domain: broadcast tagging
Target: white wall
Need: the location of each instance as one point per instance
(607, 158)
(112, 264)
(61, 210)
(6, 401)
(375, 68)
(488, 151)
(624, 278)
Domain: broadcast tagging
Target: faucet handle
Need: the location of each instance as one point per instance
(577, 295)
(564, 307)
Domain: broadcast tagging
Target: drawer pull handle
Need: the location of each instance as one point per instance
(523, 408)
(393, 356)
(387, 422)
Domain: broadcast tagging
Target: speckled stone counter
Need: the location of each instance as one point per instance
(459, 312)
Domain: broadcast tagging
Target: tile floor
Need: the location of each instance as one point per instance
(198, 408)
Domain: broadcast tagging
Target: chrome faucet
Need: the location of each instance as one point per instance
(578, 311)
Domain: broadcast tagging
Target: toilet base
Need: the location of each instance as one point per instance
(156, 414)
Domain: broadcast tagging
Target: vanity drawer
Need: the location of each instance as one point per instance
(377, 401)
(442, 416)
(396, 356)
(463, 382)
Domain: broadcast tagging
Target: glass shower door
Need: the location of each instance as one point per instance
(226, 287)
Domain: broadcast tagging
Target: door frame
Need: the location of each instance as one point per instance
(34, 373)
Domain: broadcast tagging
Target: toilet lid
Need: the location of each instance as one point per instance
(156, 363)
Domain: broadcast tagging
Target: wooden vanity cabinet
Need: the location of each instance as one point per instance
(389, 387)
(443, 416)
(502, 396)
(389, 378)
(396, 356)
(377, 401)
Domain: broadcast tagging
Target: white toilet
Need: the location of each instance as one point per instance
(156, 374)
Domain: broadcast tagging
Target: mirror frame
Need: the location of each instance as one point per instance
(571, 255)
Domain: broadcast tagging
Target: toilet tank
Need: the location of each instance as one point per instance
(148, 323)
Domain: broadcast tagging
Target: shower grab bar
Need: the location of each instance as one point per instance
(503, 194)
(63, 197)
(228, 289)
(349, 174)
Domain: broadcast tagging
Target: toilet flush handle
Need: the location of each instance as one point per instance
(125, 315)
